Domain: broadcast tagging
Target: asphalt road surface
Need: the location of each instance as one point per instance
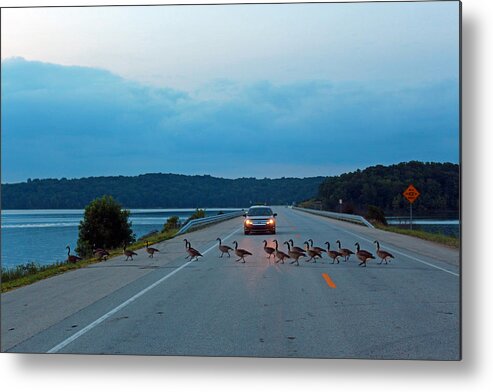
(407, 309)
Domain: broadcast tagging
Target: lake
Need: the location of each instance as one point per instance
(41, 235)
(448, 227)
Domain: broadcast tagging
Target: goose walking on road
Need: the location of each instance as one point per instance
(312, 253)
(294, 254)
(383, 254)
(192, 252)
(345, 251)
(296, 248)
(268, 249)
(334, 255)
(224, 248)
(317, 248)
(363, 255)
(151, 251)
(128, 253)
(187, 246)
(241, 253)
(281, 256)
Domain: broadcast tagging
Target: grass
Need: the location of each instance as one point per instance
(31, 272)
(453, 242)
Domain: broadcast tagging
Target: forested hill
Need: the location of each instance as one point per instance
(382, 186)
(158, 191)
(379, 185)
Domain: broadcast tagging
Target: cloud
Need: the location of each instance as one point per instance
(60, 121)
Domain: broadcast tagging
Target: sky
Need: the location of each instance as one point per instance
(287, 90)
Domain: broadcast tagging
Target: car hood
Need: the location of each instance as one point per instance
(260, 217)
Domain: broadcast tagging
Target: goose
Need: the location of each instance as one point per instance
(72, 258)
(267, 249)
(317, 248)
(363, 255)
(100, 253)
(294, 254)
(281, 256)
(312, 253)
(334, 255)
(128, 253)
(296, 248)
(96, 250)
(187, 246)
(151, 251)
(224, 248)
(241, 253)
(192, 252)
(383, 254)
(345, 251)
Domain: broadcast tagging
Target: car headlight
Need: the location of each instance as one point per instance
(248, 222)
(271, 222)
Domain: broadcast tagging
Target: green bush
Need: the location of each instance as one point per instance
(105, 225)
(199, 213)
(376, 214)
(172, 223)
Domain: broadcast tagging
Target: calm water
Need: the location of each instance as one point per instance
(42, 235)
(448, 227)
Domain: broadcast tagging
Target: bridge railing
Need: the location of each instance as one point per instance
(336, 215)
(194, 223)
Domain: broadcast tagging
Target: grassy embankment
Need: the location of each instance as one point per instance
(25, 274)
(453, 242)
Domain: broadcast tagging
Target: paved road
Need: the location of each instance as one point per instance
(407, 309)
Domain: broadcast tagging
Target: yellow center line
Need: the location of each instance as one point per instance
(329, 281)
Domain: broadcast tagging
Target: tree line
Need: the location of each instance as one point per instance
(158, 190)
(382, 186)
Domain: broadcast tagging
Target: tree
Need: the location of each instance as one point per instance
(105, 225)
(376, 214)
(172, 223)
(199, 213)
(382, 186)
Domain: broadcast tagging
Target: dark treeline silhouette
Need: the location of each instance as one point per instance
(382, 186)
(158, 191)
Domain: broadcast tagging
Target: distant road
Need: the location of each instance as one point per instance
(408, 309)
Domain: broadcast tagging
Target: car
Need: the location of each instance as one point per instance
(259, 219)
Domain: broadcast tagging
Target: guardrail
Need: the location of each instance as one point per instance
(335, 215)
(211, 219)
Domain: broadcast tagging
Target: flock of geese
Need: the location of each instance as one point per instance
(102, 254)
(293, 252)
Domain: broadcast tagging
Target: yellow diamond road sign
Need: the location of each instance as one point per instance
(411, 193)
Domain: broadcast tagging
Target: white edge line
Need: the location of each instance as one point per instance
(399, 252)
(95, 323)
(405, 254)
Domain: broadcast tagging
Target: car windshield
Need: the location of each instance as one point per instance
(259, 212)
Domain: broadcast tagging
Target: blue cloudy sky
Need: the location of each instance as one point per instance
(231, 91)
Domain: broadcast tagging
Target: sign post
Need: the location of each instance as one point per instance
(340, 205)
(411, 194)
